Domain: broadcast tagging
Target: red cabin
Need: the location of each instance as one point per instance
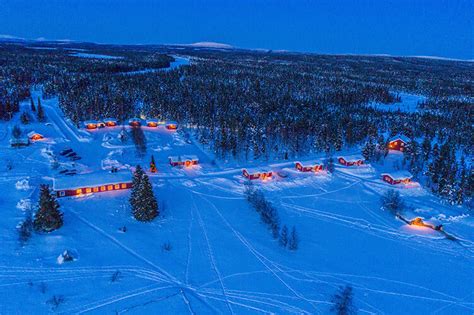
(91, 183)
(152, 123)
(351, 161)
(398, 143)
(308, 168)
(135, 122)
(110, 122)
(34, 136)
(263, 175)
(400, 177)
(91, 124)
(185, 160)
(171, 125)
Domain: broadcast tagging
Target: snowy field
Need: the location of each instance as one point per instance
(409, 103)
(222, 258)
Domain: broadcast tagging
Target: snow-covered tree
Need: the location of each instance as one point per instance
(40, 114)
(392, 202)
(293, 241)
(142, 200)
(342, 301)
(283, 239)
(48, 217)
(33, 107)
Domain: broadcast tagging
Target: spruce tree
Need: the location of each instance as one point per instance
(152, 165)
(40, 114)
(33, 107)
(283, 240)
(293, 241)
(343, 301)
(142, 200)
(25, 119)
(48, 217)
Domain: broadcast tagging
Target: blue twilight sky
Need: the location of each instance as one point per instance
(400, 27)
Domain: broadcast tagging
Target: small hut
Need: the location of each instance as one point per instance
(91, 124)
(184, 160)
(171, 125)
(152, 123)
(110, 122)
(354, 160)
(398, 142)
(35, 136)
(135, 122)
(398, 177)
(257, 174)
(316, 167)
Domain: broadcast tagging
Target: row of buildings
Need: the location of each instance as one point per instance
(133, 122)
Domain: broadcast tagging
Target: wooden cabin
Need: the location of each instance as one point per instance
(171, 125)
(152, 123)
(398, 143)
(351, 160)
(135, 122)
(110, 122)
(184, 160)
(251, 175)
(399, 177)
(92, 183)
(91, 124)
(308, 168)
(34, 136)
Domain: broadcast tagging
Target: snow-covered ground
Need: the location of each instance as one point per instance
(409, 103)
(222, 258)
(95, 56)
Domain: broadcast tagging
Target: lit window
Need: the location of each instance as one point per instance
(110, 187)
(102, 188)
(88, 190)
(79, 191)
(95, 189)
(117, 186)
(124, 186)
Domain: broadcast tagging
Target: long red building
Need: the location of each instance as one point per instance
(84, 184)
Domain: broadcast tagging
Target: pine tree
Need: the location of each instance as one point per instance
(33, 107)
(368, 151)
(142, 200)
(330, 164)
(392, 201)
(152, 165)
(293, 241)
(25, 119)
(343, 303)
(283, 240)
(40, 113)
(48, 217)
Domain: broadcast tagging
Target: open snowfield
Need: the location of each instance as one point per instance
(222, 258)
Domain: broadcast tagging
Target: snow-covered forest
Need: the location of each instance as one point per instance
(364, 206)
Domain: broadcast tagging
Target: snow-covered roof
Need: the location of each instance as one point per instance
(87, 122)
(91, 180)
(32, 133)
(257, 170)
(352, 158)
(134, 119)
(178, 158)
(110, 120)
(152, 120)
(399, 137)
(171, 122)
(399, 175)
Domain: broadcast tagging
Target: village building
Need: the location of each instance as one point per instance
(354, 160)
(135, 122)
(110, 122)
(398, 142)
(316, 167)
(257, 174)
(34, 136)
(398, 177)
(184, 160)
(91, 183)
(91, 124)
(171, 125)
(152, 123)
